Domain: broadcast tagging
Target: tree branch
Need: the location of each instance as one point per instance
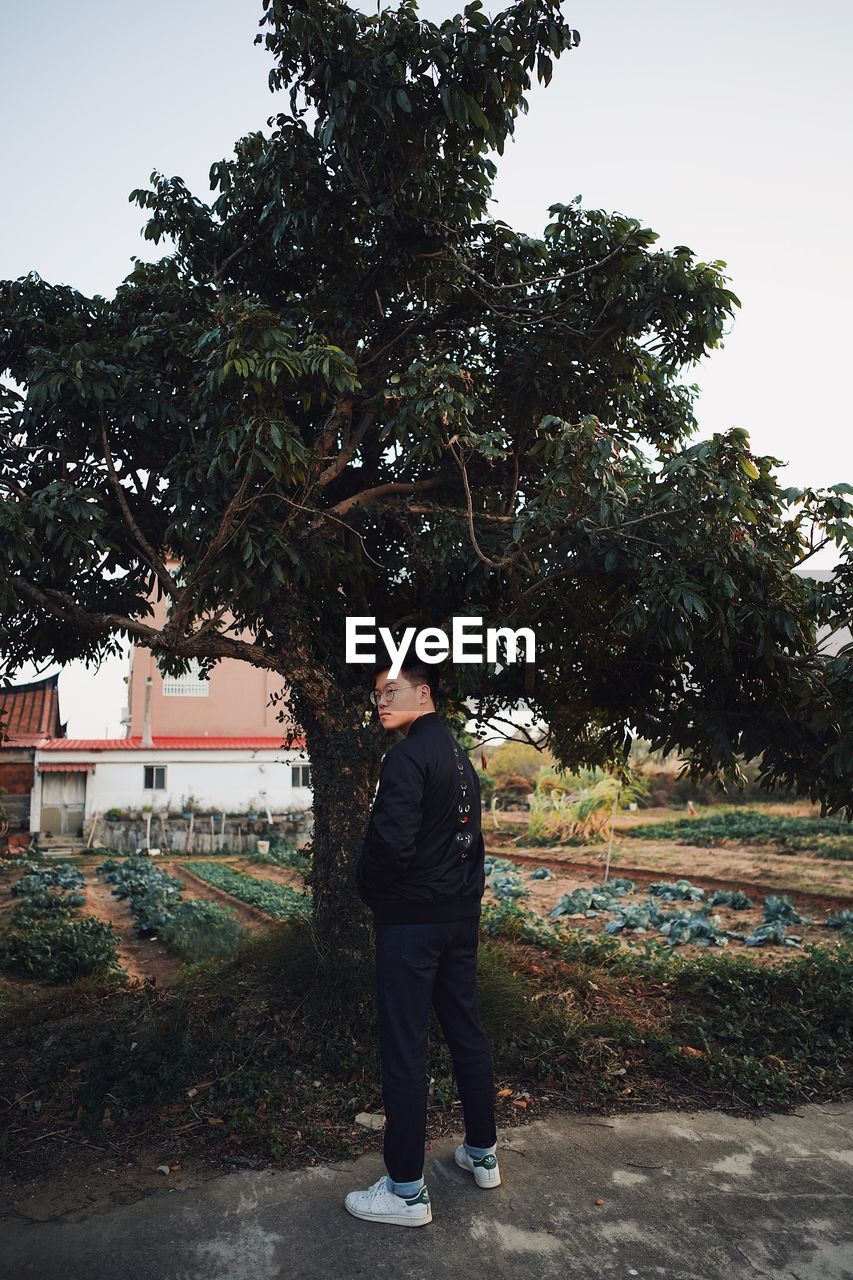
(539, 744)
(152, 558)
(421, 509)
(218, 272)
(813, 552)
(178, 620)
(378, 491)
(193, 645)
(346, 453)
(493, 564)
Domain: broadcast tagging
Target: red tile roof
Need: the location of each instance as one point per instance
(30, 711)
(165, 744)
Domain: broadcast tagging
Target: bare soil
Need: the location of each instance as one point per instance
(816, 886)
(143, 958)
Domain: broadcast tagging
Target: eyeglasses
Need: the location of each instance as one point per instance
(387, 694)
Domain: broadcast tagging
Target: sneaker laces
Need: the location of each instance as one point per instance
(377, 1188)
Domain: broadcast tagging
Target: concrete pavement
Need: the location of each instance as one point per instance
(685, 1196)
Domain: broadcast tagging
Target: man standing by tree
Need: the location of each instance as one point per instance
(345, 363)
(425, 889)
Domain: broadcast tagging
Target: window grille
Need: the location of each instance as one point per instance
(190, 685)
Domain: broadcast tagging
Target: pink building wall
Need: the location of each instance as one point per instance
(237, 704)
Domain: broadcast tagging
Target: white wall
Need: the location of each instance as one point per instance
(224, 780)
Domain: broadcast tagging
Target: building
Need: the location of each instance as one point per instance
(29, 713)
(208, 745)
(77, 780)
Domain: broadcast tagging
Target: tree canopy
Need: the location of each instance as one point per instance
(346, 389)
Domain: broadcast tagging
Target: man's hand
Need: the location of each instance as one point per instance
(394, 824)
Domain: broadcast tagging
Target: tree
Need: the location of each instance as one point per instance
(515, 757)
(347, 390)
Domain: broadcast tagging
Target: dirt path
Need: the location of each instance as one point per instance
(264, 871)
(824, 881)
(143, 958)
(679, 867)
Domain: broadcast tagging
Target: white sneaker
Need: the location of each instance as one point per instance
(484, 1168)
(378, 1204)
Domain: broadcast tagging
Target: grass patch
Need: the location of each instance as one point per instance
(203, 932)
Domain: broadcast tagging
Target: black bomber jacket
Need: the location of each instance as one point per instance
(409, 871)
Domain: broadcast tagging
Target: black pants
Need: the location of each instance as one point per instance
(419, 964)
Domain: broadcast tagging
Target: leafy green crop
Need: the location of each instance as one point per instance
(61, 875)
(194, 929)
(60, 952)
(46, 939)
(277, 900)
(152, 893)
(748, 826)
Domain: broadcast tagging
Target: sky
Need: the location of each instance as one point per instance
(724, 127)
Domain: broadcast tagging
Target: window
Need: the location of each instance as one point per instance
(300, 775)
(188, 686)
(155, 777)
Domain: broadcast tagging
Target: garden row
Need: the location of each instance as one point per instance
(677, 927)
(47, 938)
(277, 900)
(830, 837)
(192, 928)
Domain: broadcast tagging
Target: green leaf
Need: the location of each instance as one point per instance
(403, 100)
(476, 112)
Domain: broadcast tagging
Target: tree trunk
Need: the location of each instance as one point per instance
(345, 756)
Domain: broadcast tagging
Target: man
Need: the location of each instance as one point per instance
(425, 894)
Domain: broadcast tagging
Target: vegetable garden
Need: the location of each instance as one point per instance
(642, 987)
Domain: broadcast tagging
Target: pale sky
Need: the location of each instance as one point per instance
(724, 127)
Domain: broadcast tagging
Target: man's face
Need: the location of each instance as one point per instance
(407, 702)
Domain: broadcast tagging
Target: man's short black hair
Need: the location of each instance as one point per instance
(416, 672)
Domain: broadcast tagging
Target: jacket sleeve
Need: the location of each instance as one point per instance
(389, 845)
